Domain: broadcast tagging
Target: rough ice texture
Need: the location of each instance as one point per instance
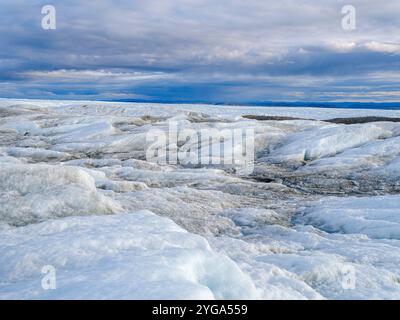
(376, 217)
(328, 141)
(369, 155)
(32, 193)
(131, 256)
(76, 193)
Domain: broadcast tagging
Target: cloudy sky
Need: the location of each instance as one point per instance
(201, 50)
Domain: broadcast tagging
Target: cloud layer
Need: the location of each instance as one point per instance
(201, 50)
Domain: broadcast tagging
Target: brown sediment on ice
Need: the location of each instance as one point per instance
(351, 120)
(271, 118)
(360, 120)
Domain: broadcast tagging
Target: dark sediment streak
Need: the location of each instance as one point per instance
(353, 120)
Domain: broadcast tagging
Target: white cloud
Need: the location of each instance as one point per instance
(342, 46)
(85, 75)
(383, 47)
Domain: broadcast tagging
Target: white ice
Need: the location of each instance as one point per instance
(77, 193)
(130, 256)
(376, 217)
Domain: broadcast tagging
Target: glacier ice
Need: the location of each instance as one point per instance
(130, 256)
(377, 217)
(77, 193)
(31, 193)
(327, 141)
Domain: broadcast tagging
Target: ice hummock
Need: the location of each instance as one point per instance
(130, 256)
(33, 193)
(376, 217)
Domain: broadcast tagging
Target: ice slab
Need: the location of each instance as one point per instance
(130, 256)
